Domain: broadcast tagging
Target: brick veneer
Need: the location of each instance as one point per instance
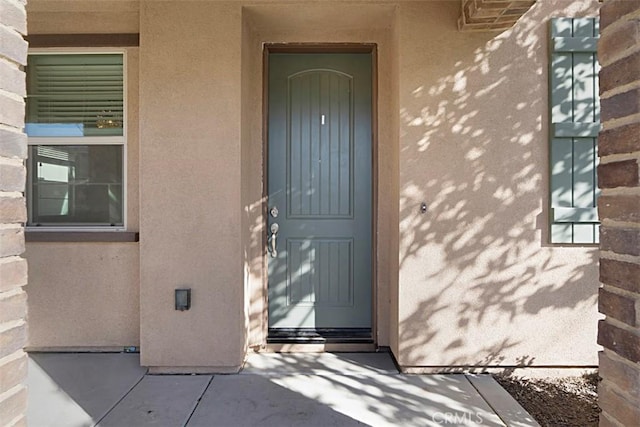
(619, 210)
(13, 268)
(484, 15)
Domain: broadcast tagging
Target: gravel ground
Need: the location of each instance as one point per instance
(556, 402)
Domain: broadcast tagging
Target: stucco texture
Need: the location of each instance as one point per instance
(190, 184)
(478, 283)
(83, 296)
(461, 125)
(83, 17)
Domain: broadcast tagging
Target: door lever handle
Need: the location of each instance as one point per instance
(273, 240)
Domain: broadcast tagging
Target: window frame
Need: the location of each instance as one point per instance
(84, 140)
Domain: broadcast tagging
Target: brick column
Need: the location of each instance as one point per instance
(619, 210)
(13, 268)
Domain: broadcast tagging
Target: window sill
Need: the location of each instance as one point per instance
(81, 236)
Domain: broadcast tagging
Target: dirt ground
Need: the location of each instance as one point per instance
(556, 402)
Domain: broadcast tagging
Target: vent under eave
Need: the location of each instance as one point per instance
(491, 15)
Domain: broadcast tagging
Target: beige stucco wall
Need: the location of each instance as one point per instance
(462, 126)
(478, 283)
(253, 229)
(84, 295)
(83, 17)
(190, 180)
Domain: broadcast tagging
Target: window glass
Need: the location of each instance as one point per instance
(75, 124)
(76, 184)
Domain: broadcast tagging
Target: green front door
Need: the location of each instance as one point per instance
(319, 186)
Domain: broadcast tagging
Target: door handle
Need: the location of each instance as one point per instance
(273, 240)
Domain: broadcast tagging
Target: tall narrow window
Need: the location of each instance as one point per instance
(75, 123)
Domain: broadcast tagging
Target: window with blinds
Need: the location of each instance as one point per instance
(75, 95)
(75, 124)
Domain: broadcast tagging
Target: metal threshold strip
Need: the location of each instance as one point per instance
(319, 335)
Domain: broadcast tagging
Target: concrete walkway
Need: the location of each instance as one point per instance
(329, 389)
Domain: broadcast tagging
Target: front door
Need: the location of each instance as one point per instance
(320, 198)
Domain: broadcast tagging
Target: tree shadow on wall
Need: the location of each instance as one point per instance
(481, 284)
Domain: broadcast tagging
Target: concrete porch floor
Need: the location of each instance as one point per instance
(328, 389)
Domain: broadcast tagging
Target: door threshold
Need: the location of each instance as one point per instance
(319, 336)
(318, 348)
(320, 340)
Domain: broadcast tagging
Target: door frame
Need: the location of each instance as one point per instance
(372, 48)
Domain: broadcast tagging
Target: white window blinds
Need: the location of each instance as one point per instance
(75, 95)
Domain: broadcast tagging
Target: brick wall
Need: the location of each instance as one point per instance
(619, 210)
(13, 268)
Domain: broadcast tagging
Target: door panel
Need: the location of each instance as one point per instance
(319, 272)
(320, 145)
(319, 179)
